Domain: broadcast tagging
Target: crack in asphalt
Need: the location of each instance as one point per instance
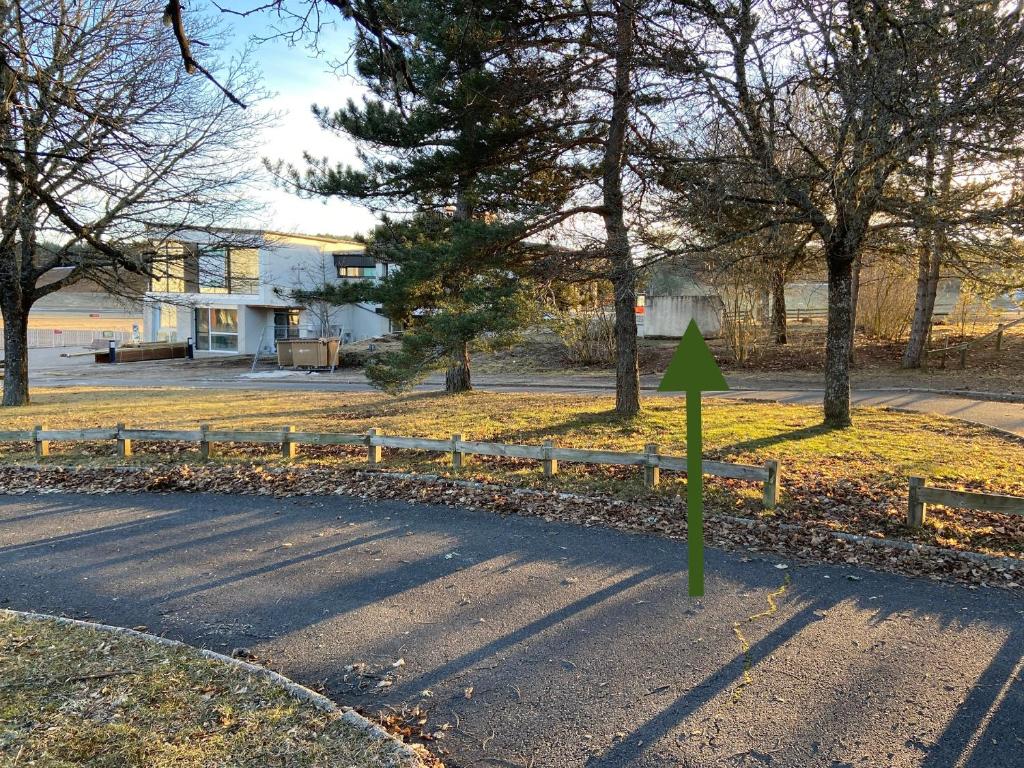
(745, 644)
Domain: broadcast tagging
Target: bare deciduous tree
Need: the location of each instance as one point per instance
(101, 134)
(865, 76)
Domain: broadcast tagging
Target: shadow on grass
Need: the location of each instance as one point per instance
(579, 422)
(782, 438)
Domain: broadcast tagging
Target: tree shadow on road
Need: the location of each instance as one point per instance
(987, 730)
(565, 630)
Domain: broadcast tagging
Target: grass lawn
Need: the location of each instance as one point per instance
(72, 696)
(853, 479)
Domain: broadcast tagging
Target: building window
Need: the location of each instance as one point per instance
(243, 270)
(216, 329)
(168, 276)
(208, 270)
(355, 266)
(168, 269)
(167, 322)
(286, 323)
(357, 272)
(213, 270)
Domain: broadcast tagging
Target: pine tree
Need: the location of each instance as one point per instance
(450, 289)
(456, 140)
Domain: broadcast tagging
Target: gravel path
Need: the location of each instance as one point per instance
(542, 644)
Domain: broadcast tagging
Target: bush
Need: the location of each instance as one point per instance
(743, 327)
(973, 308)
(587, 335)
(885, 304)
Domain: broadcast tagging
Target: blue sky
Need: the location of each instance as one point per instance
(298, 79)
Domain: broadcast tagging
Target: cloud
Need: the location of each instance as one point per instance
(298, 78)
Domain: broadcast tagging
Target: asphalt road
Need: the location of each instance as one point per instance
(544, 644)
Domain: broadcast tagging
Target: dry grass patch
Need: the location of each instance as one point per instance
(72, 696)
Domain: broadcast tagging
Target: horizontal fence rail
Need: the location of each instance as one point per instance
(964, 346)
(51, 338)
(920, 495)
(374, 440)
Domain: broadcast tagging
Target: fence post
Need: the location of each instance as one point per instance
(373, 452)
(652, 466)
(915, 507)
(458, 457)
(999, 338)
(204, 443)
(771, 485)
(550, 464)
(289, 449)
(124, 445)
(42, 446)
(963, 357)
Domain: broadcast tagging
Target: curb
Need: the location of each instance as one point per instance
(398, 749)
(963, 394)
(993, 561)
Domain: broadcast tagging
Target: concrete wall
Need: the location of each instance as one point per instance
(286, 267)
(669, 315)
(254, 329)
(360, 321)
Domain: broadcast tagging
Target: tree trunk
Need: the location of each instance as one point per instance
(924, 304)
(929, 265)
(457, 377)
(15, 315)
(777, 279)
(627, 357)
(839, 341)
(858, 264)
(623, 271)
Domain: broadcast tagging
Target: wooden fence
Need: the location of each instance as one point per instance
(963, 347)
(920, 495)
(374, 441)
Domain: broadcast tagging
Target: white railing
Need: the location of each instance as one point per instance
(50, 338)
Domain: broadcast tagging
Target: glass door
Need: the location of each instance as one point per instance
(216, 329)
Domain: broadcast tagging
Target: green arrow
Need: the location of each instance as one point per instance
(693, 370)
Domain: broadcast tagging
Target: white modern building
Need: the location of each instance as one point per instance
(231, 290)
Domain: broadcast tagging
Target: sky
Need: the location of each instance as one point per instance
(298, 79)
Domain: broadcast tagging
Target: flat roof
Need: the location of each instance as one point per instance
(179, 233)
